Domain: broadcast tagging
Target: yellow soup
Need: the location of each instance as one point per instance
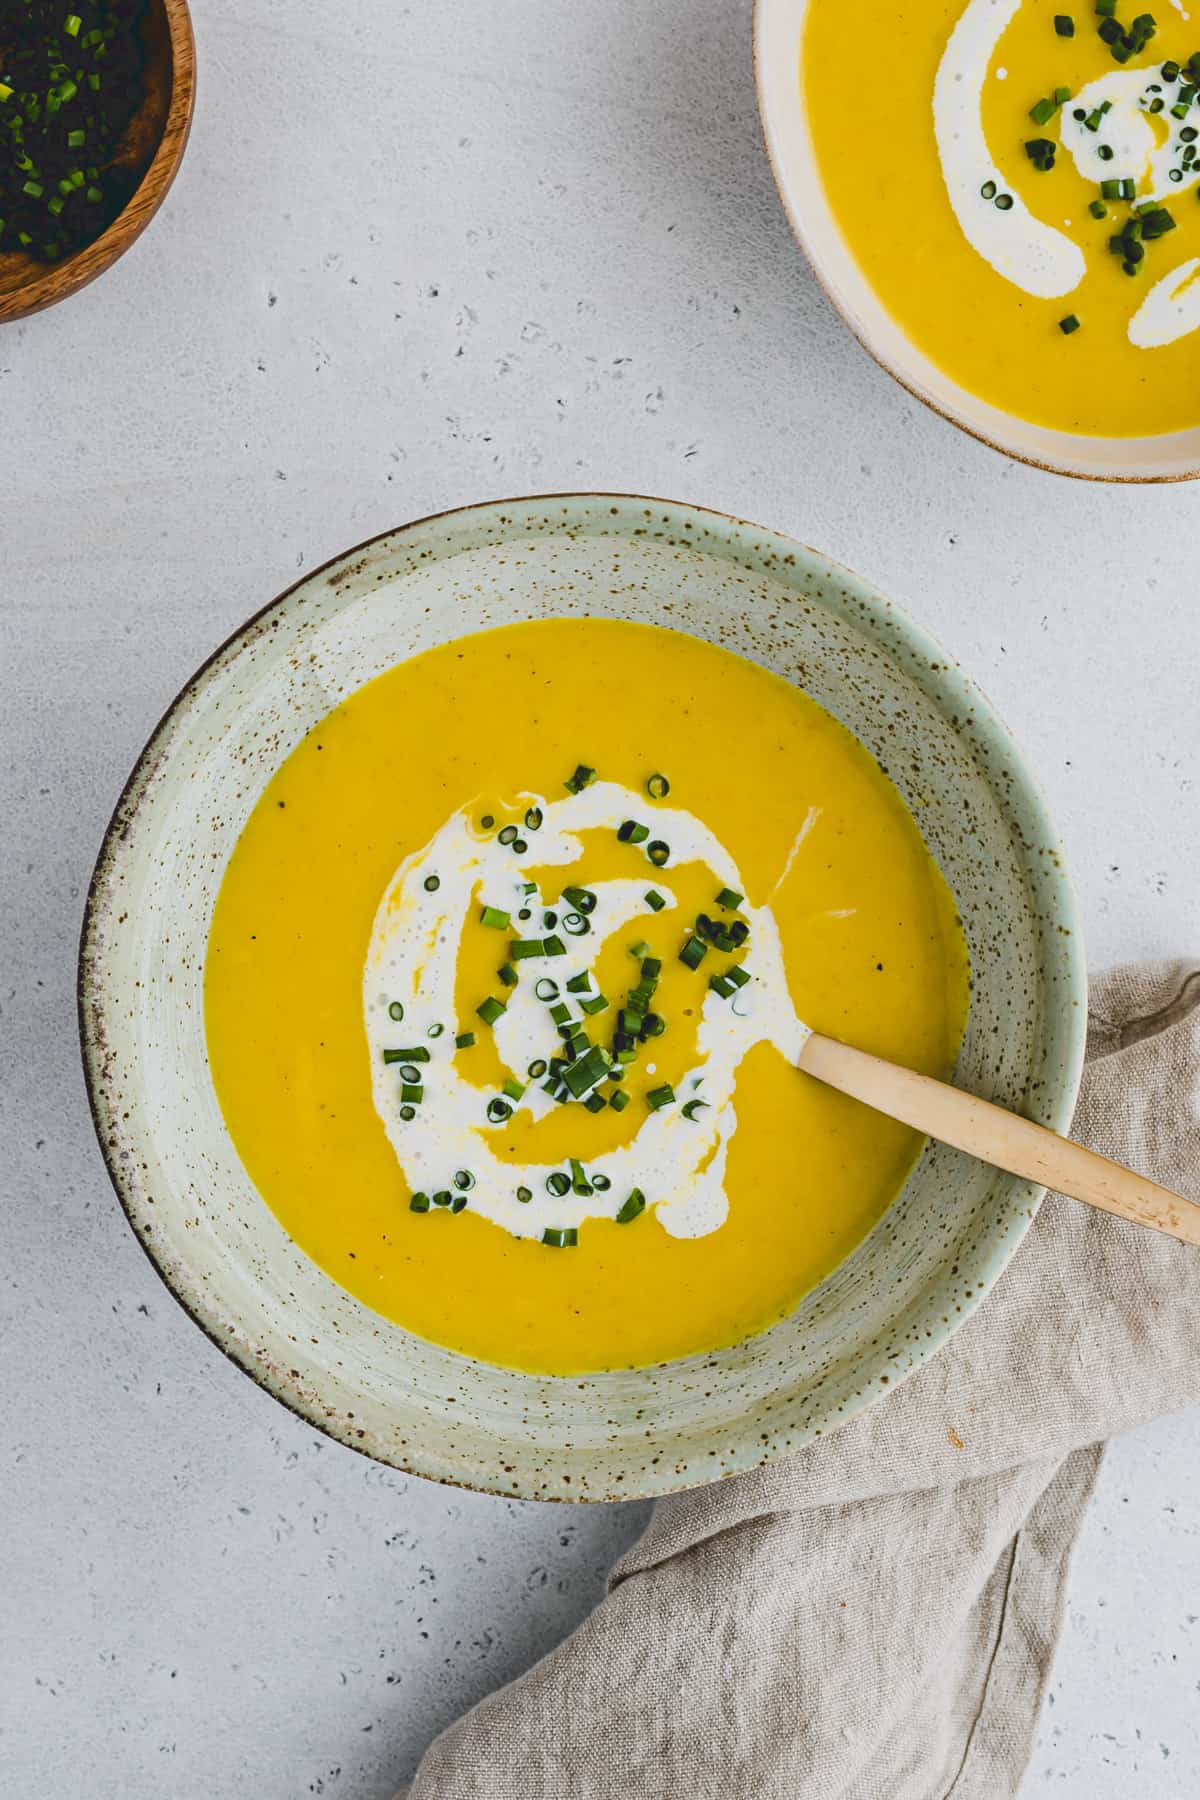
(1022, 195)
(508, 974)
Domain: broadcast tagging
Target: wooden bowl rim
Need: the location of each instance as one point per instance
(58, 281)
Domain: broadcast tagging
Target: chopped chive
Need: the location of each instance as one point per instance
(579, 1181)
(408, 1114)
(721, 984)
(651, 968)
(1003, 202)
(560, 1014)
(459, 1203)
(419, 1203)
(490, 1010)
(658, 852)
(640, 949)
(558, 1184)
(553, 946)
(692, 1107)
(654, 900)
(1068, 325)
(653, 1025)
(1098, 209)
(738, 977)
(693, 953)
(409, 1072)
(579, 984)
(594, 1003)
(521, 948)
(71, 24)
(435, 1031)
(595, 1102)
(545, 989)
(418, 1055)
(618, 1100)
(633, 1207)
(1061, 96)
(533, 819)
(493, 916)
(1105, 152)
(1157, 223)
(560, 1240)
(582, 899)
(658, 787)
(988, 190)
(1064, 25)
(1110, 189)
(464, 1181)
(630, 832)
(507, 835)
(1042, 112)
(584, 1074)
(549, 920)
(443, 1197)
(601, 1183)
(76, 139)
(395, 1011)
(498, 1111)
(507, 974)
(464, 1040)
(519, 846)
(537, 1068)
(730, 900)
(524, 1195)
(575, 925)
(583, 777)
(661, 1096)
(412, 1093)
(486, 823)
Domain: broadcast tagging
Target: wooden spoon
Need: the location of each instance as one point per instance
(999, 1137)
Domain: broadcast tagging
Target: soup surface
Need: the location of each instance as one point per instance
(1025, 202)
(509, 972)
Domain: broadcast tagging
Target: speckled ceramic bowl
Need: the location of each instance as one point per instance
(778, 31)
(924, 1268)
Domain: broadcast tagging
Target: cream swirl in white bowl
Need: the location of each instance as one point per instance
(1134, 145)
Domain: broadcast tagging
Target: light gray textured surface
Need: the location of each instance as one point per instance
(419, 255)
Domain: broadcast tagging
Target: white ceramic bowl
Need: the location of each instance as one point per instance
(364, 1380)
(778, 33)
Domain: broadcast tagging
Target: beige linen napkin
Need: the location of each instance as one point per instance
(875, 1618)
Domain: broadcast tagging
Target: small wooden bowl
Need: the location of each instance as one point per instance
(154, 144)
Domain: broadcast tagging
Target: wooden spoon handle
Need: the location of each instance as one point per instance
(999, 1137)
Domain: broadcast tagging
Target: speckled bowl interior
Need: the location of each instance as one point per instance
(366, 1381)
(778, 34)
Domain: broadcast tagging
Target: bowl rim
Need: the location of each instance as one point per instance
(1055, 1109)
(763, 19)
(58, 281)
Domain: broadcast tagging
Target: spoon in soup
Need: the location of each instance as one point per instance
(1001, 1138)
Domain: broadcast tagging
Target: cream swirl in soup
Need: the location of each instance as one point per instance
(467, 881)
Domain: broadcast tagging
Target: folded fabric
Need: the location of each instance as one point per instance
(874, 1619)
